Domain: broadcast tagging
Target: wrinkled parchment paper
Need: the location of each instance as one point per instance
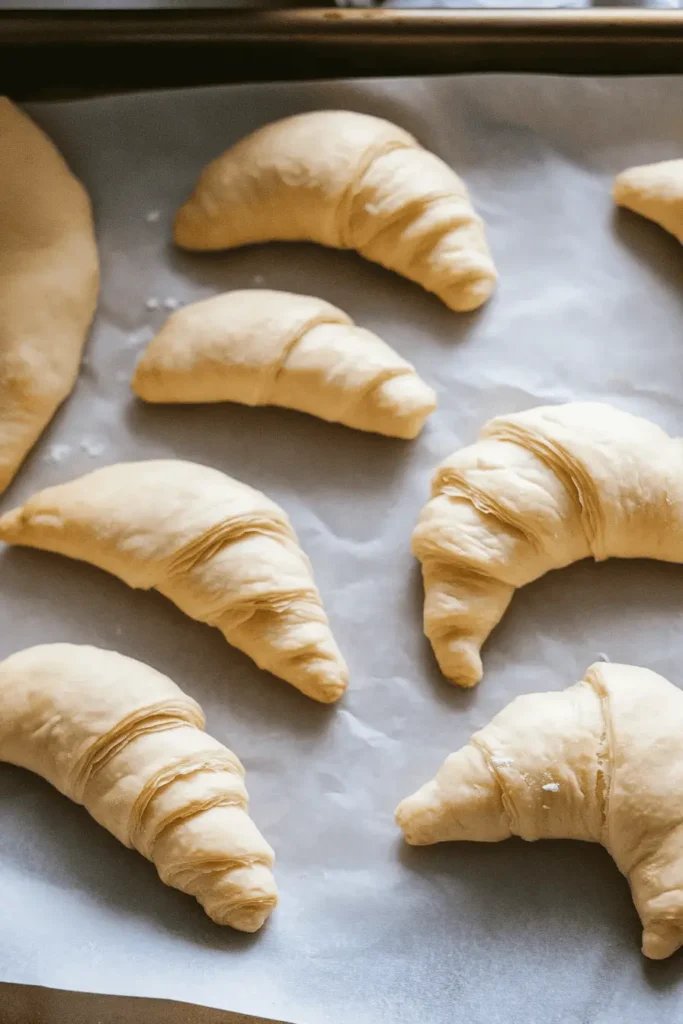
(590, 306)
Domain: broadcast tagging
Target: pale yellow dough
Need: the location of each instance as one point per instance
(224, 553)
(654, 191)
(127, 743)
(275, 348)
(539, 490)
(350, 181)
(601, 761)
(49, 280)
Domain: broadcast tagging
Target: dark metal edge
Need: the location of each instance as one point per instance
(325, 26)
(33, 1004)
(146, 49)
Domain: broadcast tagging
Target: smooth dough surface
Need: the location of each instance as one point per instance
(223, 552)
(654, 191)
(49, 280)
(120, 738)
(262, 347)
(540, 489)
(350, 181)
(601, 761)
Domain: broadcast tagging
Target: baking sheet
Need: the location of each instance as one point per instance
(590, 306)
(22, 1004)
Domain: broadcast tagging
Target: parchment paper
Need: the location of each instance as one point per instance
(590, 306)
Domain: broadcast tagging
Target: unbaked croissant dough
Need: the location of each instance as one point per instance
(540, 489)
(654, 191)
(350, 181)
(601, 761)
(222, 552)
(274, 348)
(127, 743)
(48, 283)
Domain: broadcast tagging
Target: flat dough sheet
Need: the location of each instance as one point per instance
(590, 306)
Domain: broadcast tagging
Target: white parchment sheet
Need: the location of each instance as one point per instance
(590, 306)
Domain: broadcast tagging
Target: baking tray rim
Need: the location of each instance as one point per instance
(334, 25)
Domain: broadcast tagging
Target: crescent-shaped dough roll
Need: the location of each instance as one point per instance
(540, 489)
(349, 181)
(49, 280)
(224, 553)
(274, 348)
(654, 191)
(123, 740)
(601, 761)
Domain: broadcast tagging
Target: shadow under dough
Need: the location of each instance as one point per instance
(78, 603)
(75, 852)
(272, 448)
(552, 887)
(652, 245)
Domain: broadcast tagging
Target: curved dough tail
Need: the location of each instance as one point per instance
(600, 762)
(124, 741)
(224, 553)
(350, 181)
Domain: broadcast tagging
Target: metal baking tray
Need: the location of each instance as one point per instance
(59, 54)
(29, 1004)
(114, 50)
